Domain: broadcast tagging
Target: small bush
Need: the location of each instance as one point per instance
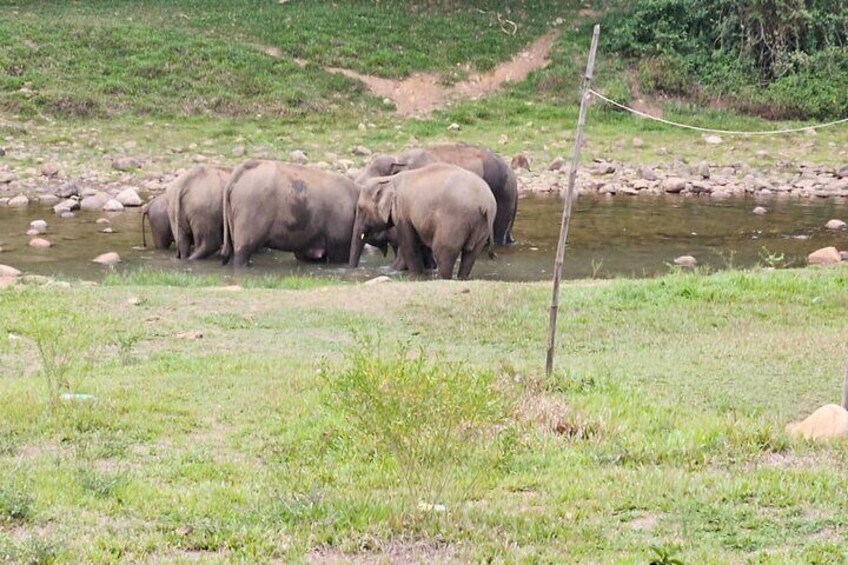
(15, 502)
(442, 423)
(665, 73)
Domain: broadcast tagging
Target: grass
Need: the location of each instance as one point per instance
(660, 435)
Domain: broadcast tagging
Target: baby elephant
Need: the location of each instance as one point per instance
(440, 208)
(194, 211)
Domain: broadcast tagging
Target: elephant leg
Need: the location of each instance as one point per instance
(202, 250)
(445, 260)
(242, 257)
(465, 264)
(184, 248)
(409, 245)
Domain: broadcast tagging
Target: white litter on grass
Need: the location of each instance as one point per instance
(77, 396)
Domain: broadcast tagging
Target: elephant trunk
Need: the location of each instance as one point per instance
(357, 242)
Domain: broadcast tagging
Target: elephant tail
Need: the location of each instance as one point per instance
(145, 215)
(176, 224)
(227, 246)
(489, 218)
(511, 187)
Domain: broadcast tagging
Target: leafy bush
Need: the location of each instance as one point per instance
(442, 423)
(776, 58)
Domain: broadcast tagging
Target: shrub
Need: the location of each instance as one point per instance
(441, 423)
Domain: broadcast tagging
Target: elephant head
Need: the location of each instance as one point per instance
(375, 211)
(381, 165)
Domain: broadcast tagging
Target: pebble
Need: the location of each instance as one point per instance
(39, 243)
(18, 201)
(686, 261)
(113, 206)
(835, 225)
(7, 271)
(824, 256)
(109, 258)
(129, 197)
(759, 210)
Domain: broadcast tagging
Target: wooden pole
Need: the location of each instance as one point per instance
(569, 198)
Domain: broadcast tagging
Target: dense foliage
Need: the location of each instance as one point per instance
(777, 58)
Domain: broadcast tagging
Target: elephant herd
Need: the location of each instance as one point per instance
(431, 205)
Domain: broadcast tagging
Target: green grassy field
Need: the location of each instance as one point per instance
(266, 440)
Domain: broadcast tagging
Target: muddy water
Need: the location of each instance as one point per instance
(621, 236)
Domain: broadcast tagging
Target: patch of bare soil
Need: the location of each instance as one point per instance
(640, 102)
(422, 93)
(392, 554)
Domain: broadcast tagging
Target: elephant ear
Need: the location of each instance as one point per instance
(384, 198)
(397, 167)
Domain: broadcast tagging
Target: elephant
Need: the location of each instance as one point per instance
(288, 207)
(440, 209)
(479, 160)
(156, 212)
(195, 211)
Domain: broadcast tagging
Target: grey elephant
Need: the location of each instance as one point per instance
(156, 213)
(490, 167)
(195, 211)
(288, 207)
(440, 209)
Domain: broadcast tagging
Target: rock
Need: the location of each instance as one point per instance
(238, 151)
(18, 201)
(520, 161)
(67, 215)
(841, 173)
(686, 261)
(604, 168)
(107, 230)
(200, 158)
(7, 271)
(843, 254)
(704, 169)
(361, 150)
(67, 190)
(648, 174)
(39, 243)
(65, 206)
(720, 194)
(835, 225)
(610, 188)
(126, 164)
(113, 206)
(824, 256)
(377, 280)
(556, 164)
(51, 169)
(632, 191)
(129, 197)
(102, 221)
(674, 185)
(193, 335)
(6, 178)
(89, 191)
(109, 258)
(454, 127)
(828, 422)
(48, 199)
(712, 140)
(95, 202)
(33, 232)
(638, 142)
(299, 157)
(760, 211)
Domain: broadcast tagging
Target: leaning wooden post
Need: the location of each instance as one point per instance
(569, 198)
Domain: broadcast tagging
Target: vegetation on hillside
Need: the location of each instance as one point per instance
(784, 59)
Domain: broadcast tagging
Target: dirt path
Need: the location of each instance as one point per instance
(421, 93)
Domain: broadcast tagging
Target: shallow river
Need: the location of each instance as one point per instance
(620, 236)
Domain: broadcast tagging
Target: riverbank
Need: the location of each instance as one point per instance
(196, 422)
